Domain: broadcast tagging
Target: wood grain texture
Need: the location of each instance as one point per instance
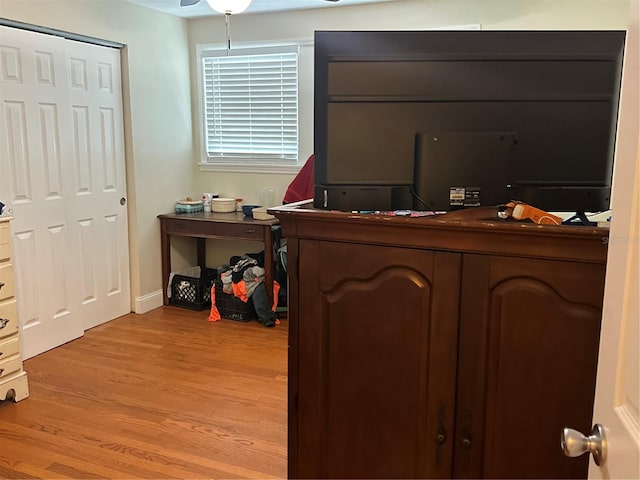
(447, 335)
(166, 394)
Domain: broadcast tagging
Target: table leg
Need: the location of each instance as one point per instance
(268, 262)
(202, 252)
(165, 245)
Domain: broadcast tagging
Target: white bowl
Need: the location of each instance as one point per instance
(260, 213)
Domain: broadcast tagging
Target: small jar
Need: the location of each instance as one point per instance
(238, 204)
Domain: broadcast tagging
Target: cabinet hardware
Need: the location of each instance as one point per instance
(1, 285)
(1, 371)
(574, 444)
(466, 442)
(441, 436)
(3, 322)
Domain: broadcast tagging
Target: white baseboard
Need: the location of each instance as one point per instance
(148, 302)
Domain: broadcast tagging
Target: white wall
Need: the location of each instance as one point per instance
(398, 15)
(407, 14)
(157, 109)
(162, 151)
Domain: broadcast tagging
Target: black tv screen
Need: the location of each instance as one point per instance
(379, 95)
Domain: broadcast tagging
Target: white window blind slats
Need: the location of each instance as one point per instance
(251, 106)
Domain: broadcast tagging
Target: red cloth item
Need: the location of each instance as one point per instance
(276, 291)
(240, 290)
(301, 187)
(214, 314)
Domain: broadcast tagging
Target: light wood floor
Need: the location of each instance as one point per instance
(161, 395)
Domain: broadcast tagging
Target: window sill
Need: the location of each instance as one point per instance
(290, 169)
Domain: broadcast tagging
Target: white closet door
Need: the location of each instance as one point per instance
(99, 188)
(35, 173)
(58, 152)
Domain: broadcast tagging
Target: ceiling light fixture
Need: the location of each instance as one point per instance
(229, 7)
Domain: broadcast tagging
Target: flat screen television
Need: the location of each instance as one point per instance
(516, 115)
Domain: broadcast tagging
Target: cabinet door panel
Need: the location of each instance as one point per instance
(529, 344)
(374, 390)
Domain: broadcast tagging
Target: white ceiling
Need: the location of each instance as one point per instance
(202, 9)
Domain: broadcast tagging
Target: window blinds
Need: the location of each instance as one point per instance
(251, 105)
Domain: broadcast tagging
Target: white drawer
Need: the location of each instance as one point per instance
(9, 347)
(8, 318)
(9, 366)
(4, 233)
(5, 252)
(5, 248)
(6, 277)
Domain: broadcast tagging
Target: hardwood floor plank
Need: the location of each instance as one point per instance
(43, 455)
(26, 470)
(71, 472)
(6, 472)
(166, 394)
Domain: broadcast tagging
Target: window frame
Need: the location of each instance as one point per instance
(246, 164)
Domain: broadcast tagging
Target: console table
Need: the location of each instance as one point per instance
(456, 346)
(203, 225)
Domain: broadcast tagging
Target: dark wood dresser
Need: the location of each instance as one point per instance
(456, 346)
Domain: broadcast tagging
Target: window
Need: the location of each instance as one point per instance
(250, 106)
